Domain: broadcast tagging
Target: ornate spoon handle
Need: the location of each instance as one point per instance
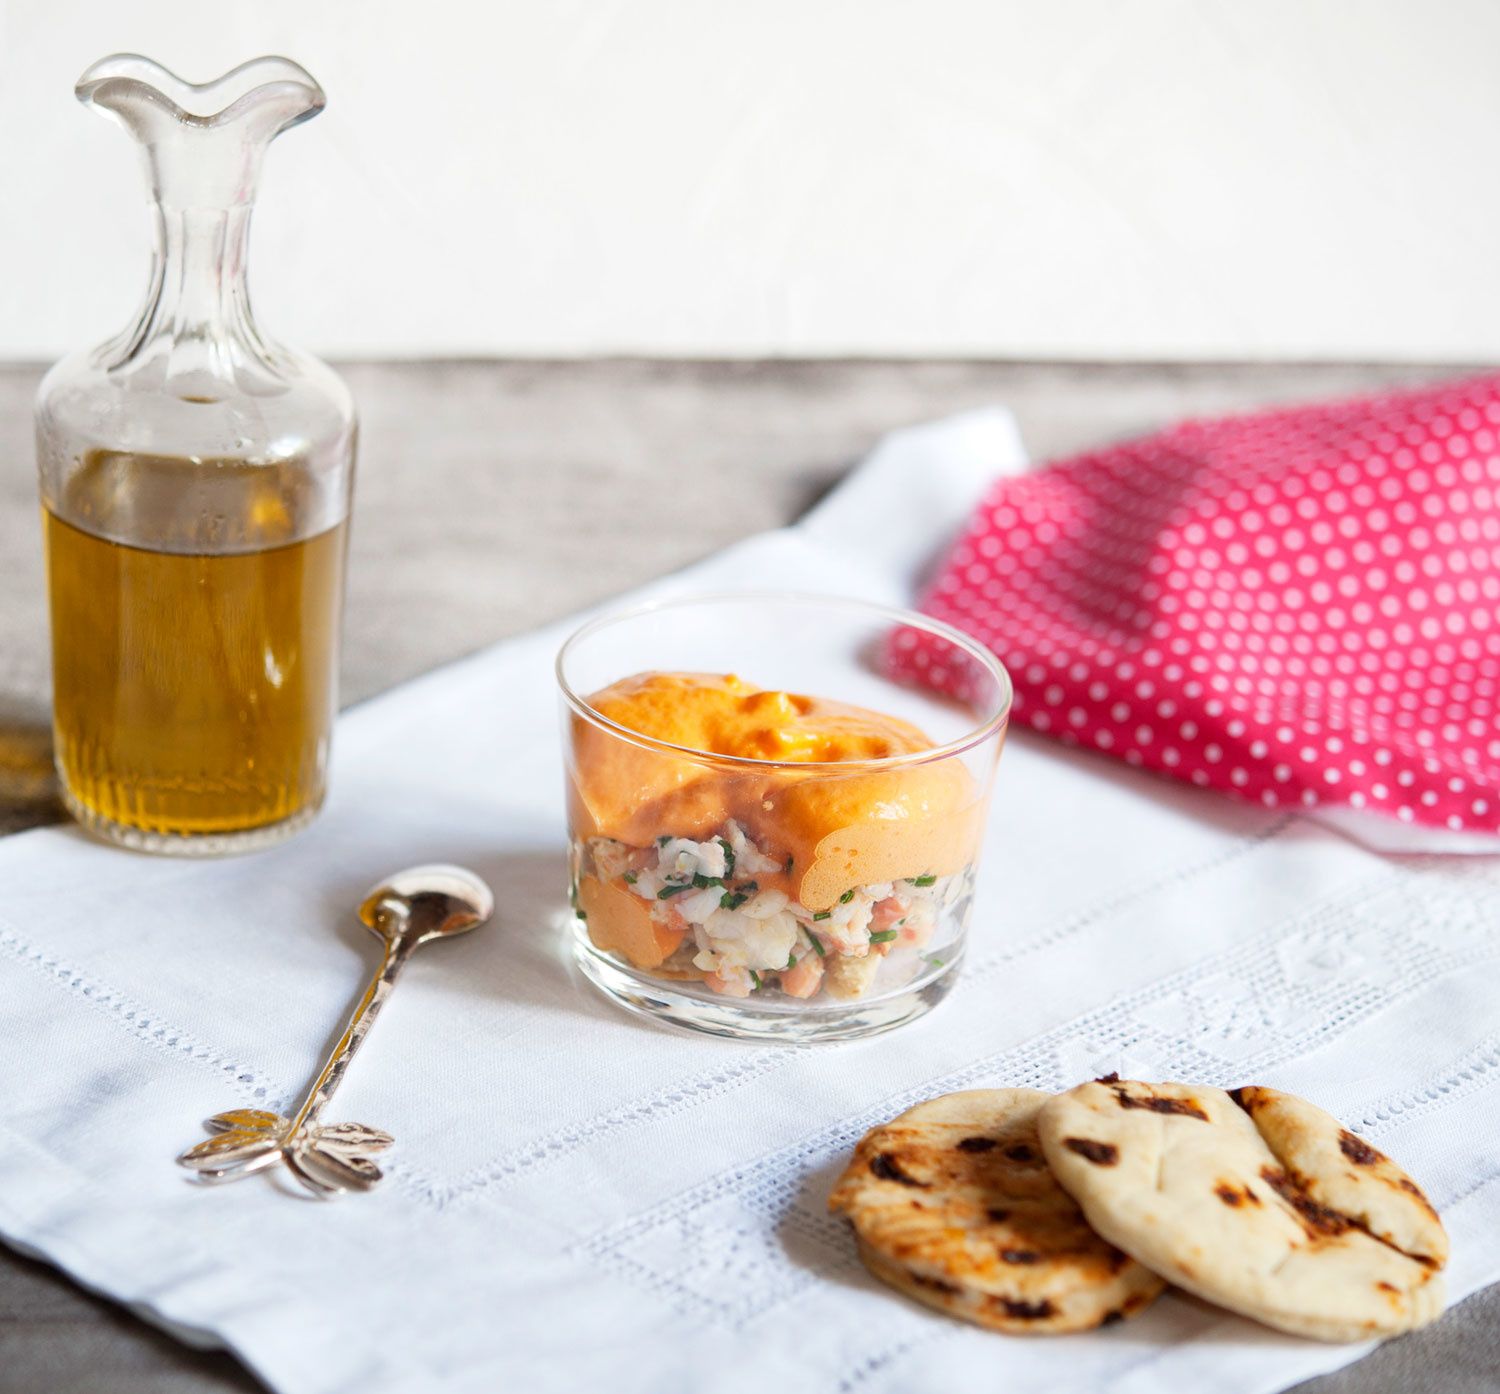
(306, 1145)
(380, 987)
(414, 907)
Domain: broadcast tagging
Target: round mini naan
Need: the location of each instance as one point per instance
(1180, 1177)
(953, 1204)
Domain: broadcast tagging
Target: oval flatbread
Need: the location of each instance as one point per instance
(953, 1205)
(1180, 1178)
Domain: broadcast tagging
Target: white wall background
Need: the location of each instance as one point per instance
(1076, 178)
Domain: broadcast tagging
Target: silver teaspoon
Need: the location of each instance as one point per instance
(408, 910)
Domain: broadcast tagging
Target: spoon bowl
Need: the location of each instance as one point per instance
(427, 902)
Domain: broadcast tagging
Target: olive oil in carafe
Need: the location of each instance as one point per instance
(195, 681)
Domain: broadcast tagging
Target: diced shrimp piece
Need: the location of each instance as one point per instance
(749, 860)
(847, 927)
(610, 858)
(887, 912)
(918, 923)
(681, 856)
(736, 939)
(730, 982)
(639, 874)
(766, 904)
(671, 918)
(696, 906)
(805, 977)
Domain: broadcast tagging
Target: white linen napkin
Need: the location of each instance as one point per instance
(582, 1200)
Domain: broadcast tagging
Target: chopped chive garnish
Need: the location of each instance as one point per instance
(817, 946)
(582, 916)
(728, 856)
(732, 901)
(755, 978)
(665, 891)
(791, 960)
(884, 937)
(702, 883)
(750, 887)
(663, 839)
(924, 880)
(822, 914)
(630, 878)
(846, 897)
(935, 961)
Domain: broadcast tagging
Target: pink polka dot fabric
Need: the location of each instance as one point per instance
(1298, 608)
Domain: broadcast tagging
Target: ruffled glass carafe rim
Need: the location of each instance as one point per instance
(125, 79)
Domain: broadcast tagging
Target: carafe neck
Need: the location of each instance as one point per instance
(197, 310)
(203, 146)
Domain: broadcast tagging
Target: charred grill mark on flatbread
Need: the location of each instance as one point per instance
(1234, 1195)
(1020, 1152)
(1416, 1192)
(1156, 1104)
(1321, 1220)
(1024, 1311)
(1104, 1154)
(1317, 1220)
(978, 1144)
(1357, 1150)
(887, 1168)
(1019, 1256)
(936, 1284)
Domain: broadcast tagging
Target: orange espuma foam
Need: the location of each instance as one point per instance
(839, 830)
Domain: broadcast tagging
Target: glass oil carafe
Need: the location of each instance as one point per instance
(195, 483)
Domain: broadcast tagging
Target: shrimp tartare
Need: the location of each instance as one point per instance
(761, 841)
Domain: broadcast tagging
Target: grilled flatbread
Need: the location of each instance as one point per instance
(953, 1205)
(1180, 1177)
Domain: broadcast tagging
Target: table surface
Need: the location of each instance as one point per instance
(495, 496)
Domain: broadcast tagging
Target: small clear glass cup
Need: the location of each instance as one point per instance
(777, 899)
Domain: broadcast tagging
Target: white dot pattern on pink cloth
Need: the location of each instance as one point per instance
(1298, 608)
